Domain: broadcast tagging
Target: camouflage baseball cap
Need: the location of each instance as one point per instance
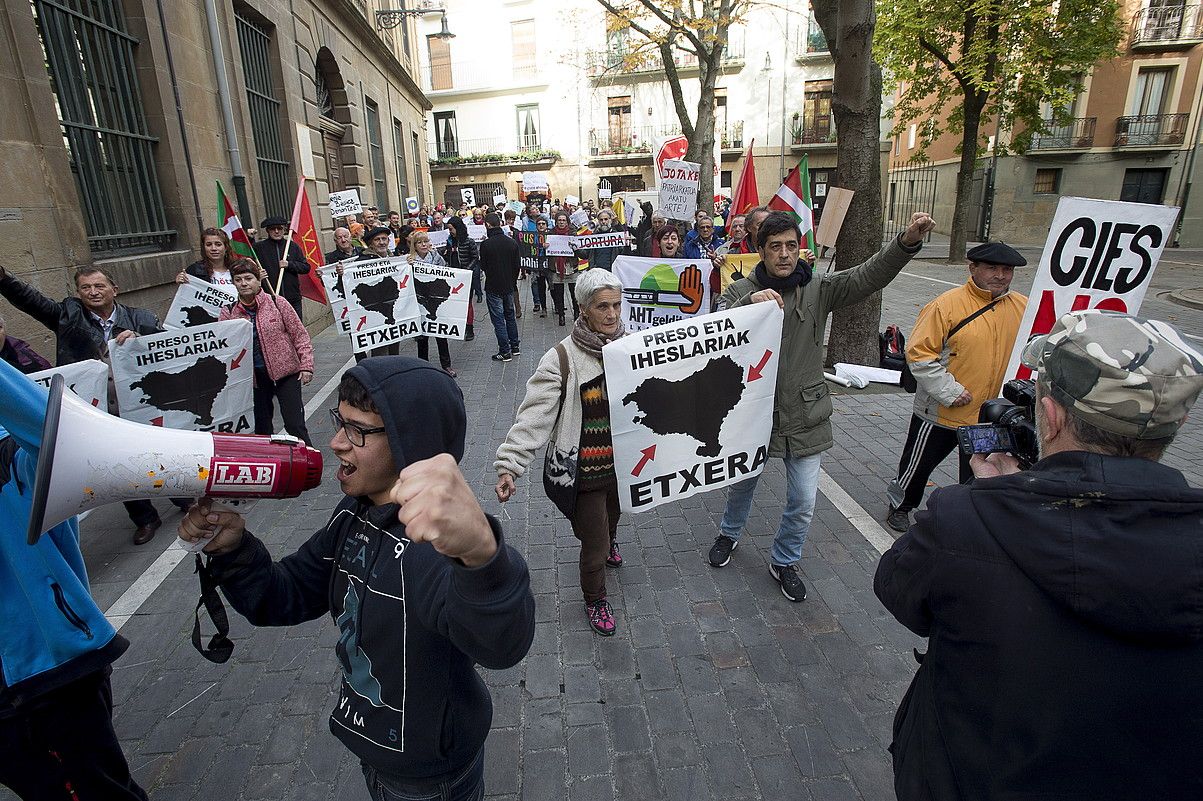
(1123, 374)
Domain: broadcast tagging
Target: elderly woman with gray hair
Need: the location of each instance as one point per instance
(566, 408)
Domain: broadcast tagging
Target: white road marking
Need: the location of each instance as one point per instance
(132, 599)
(864, 522)
(927, 278)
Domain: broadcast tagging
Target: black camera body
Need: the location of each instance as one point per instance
(1015, 413)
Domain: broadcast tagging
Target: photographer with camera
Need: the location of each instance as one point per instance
(957, 353)
(1063, 604)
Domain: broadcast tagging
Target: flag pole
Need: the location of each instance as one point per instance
(296, 210)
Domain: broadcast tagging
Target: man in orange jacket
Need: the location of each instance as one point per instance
(958, 353)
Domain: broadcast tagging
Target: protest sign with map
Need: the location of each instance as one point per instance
(194, 379)
(443, 295)
(382, 304)
(88, 379)
(691, 403)
(658, 291)
(334, 294)
(197, 303)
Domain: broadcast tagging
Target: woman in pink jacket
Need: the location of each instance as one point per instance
(283, 351)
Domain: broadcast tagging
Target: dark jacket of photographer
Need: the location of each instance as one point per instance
(1064, 607)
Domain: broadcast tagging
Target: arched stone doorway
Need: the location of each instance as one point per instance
(334, 118)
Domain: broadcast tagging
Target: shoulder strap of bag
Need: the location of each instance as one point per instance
(562, 352)
(973, 317)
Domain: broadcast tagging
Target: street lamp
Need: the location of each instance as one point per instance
(392, 17)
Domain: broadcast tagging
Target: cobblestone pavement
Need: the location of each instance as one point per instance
(714, 687)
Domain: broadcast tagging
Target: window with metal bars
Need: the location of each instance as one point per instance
(376, 153)
(254, 44)
(90, 59)
(399, 152)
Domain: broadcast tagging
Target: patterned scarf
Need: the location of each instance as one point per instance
(589, 340)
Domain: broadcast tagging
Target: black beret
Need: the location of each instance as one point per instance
(270, 221)
(375, 232)
(997, 253)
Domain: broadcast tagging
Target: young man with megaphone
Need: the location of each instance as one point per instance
(418, 579)
(56, 704)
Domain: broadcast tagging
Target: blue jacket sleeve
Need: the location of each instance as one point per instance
(24, 408)
(488, 612)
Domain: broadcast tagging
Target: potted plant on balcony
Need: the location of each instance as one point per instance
(795, 129)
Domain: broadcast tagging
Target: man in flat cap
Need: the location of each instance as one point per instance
(271, 254)
(958, 353)
(1063, 604)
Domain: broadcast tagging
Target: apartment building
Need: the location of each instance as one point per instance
(1135, 135)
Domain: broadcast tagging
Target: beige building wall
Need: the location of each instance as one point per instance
(43, 234)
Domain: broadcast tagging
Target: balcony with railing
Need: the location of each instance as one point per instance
(478, 76)
(454, 153)
(627, 144)
(1077, 134)
(1167, 27)
(624, 60)
(1151, 130)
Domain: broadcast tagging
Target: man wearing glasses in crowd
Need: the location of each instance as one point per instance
(417, 578)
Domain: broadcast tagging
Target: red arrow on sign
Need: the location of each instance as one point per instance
(345, 310)
(457, 289)
(754, 369)
(96, 402)
(362, 320)
(649, 453)
(403, 282)
(156, 421)
(237, 360)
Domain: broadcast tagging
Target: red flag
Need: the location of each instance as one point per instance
(304, 233)
(746, 196)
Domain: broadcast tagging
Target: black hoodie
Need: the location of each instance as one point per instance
(412, 622)
(1064, 607)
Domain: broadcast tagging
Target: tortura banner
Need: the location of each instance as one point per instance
(197, 303)
(87, 379)
(382, 303)
(443, 295)
(1100, 254)
(658, 291)
(197, 379)
(691, 403)
(736, 266)
(334, 293)
(608, 240)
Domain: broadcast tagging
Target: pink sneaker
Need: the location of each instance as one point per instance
(601, 617)
(615, 558)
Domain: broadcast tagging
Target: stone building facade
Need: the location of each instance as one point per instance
(114, 134)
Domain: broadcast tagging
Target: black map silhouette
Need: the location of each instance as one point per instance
(197, 315)
(192, 389)
(431, 295)
(696, 405)
(379, 297)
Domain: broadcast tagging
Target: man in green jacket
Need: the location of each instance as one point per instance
(802, 407)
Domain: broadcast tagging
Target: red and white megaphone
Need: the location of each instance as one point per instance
(90, 458)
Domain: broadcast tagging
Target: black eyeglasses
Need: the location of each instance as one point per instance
(357, 435)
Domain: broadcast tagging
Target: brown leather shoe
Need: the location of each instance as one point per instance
(144, 534)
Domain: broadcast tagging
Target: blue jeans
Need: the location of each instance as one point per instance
(802, 485)
(538, 290)
(466, 785)
(505, 324)
(476, 281)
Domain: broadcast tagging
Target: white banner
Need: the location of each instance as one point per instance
(579, 218)
(499, 200)
(468, 196)
(691, 404)
(619, 239)
(658, 291)
(87, 379)
(535, 182)
(438, 239)
(443, 295)
(679, 189)
(345, 204)
(197, 303)
(334, 293)
(559, 245)
(194, 379)
(1100, 254)
(381, 302)
(477, 233)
